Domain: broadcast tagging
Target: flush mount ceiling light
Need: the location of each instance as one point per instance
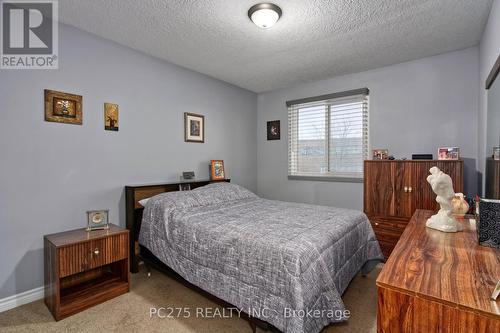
(264, 15)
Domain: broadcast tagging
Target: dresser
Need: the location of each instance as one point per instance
(393, 190)
(85, 268)
(438, 282)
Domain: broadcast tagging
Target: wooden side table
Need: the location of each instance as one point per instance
(85, 268)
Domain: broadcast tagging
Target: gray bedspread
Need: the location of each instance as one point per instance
(285, 263)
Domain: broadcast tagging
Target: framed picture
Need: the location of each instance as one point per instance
(194, 127)
(380, 154)
(184, 187)
(449, 153)
(110, 117)
(273, 130)
(217, 169)
(97, 220)
(61, 107)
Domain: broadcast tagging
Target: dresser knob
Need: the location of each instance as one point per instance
(406, 188)
(96, 251)
(410, 189)
(376, 223)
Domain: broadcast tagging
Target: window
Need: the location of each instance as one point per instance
(328, 136)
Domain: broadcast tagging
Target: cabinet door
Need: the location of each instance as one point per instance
(424, 196)
(455, 170)
(378, 188)
(403, 191)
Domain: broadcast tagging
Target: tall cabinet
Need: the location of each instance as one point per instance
(393, 190)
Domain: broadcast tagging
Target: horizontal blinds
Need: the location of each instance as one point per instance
(328, 137)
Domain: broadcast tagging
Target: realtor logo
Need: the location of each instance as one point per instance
(29, 36)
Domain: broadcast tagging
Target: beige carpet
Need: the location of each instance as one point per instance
(130, 312)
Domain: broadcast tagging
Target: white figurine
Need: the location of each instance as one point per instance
(443, 187)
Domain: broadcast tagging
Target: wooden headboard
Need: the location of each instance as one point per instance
(133, 209)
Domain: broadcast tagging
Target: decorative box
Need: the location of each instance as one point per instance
(488, 226)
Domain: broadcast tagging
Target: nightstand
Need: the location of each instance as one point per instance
(85, 268)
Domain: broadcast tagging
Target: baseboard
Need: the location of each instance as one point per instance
(26, 297)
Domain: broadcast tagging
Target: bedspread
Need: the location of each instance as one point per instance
(284, 263)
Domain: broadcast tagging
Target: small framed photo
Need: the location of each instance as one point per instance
(97, 220)
(217, 170)
(496, 153)
(449, 153)
(184, 187)
(110, 117)
(61, 107)
(380, 154)
(273, 130)
(194, 127)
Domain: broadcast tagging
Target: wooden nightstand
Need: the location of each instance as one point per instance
(83, 268)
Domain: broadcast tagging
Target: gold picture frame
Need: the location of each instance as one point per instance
(111, 117)
(61, 107)
(217, 171)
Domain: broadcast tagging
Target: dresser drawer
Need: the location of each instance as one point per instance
(107, 250)
(74, 259)
(388, 232)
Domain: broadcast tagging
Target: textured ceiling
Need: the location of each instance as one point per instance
(314, 39)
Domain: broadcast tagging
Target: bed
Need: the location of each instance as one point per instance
(284, 263)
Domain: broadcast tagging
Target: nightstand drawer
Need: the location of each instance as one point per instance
(107, 250)
(74, 259)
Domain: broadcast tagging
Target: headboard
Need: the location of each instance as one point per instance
(133, 209)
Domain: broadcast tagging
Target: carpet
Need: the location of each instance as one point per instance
(131, 312)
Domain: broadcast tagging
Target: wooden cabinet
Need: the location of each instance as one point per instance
(438, 282)
(393, 190)
(83, 269)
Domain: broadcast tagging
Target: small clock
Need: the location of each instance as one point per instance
(97, 220)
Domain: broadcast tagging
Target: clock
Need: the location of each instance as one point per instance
(97, 219)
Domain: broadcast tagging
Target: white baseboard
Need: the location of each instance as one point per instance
(26, 297)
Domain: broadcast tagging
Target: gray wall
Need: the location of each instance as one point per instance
(51, 174)
(415, 107)
(489, 51)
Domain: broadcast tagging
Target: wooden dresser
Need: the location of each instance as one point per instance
(393, 190)
(438, 282)
(83, 269)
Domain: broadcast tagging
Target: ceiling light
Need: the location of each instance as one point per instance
(264, 15)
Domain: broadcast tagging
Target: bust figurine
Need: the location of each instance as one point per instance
(443, 187)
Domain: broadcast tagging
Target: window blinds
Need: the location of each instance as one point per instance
(328, 135)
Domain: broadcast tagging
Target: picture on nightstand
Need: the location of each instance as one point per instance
(97, 220)
(184, 187)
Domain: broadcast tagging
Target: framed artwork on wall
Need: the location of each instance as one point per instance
(217, 170)
(111, 117)
(61, 107)
(273, 130)
(194, 127)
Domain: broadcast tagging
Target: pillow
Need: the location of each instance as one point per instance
(143, 202)
(205, 195)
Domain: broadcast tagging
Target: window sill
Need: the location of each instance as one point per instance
(327, 179)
